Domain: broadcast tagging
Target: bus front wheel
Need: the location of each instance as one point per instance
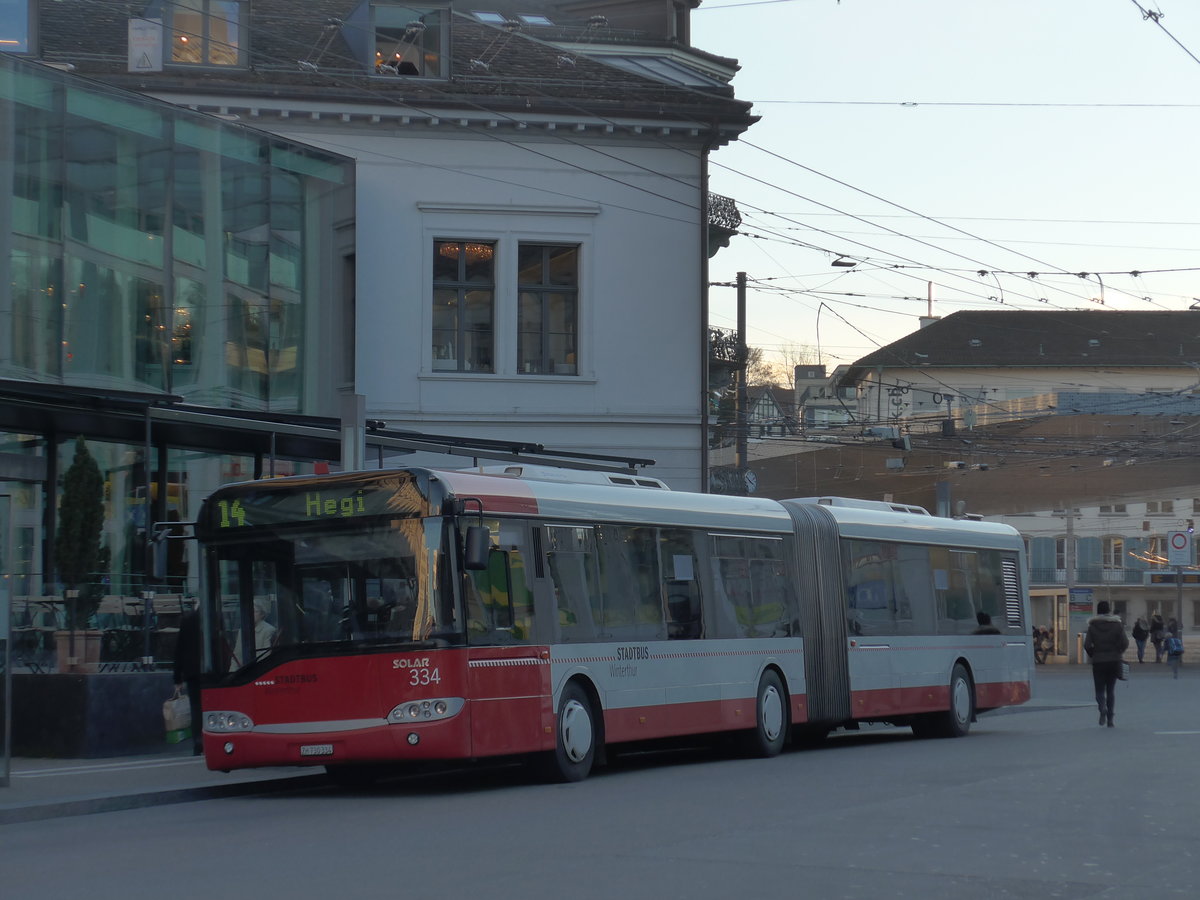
(770, 716)
(575, 744)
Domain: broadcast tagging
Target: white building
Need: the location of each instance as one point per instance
(528, 257)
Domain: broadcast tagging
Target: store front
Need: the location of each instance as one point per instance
(173, 307)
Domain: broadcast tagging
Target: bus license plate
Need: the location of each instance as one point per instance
(316, 749)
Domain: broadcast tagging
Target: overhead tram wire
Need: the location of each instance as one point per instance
(1023, 220)
(1136, 273)
(1156, 18)
(880, 250)
(914, 212)
(979, 103)
(1024, 275)
(881, 228)
(1090, 245)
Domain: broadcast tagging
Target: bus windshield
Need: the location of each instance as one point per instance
(310, 592)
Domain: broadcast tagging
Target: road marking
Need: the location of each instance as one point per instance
(105, 767)
(1177, 732)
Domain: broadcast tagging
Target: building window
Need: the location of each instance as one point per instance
(547, 327)
(206, 32)
(410, 40)
(1156, 552)
(1161, 507)
(1112, 558)
(1115, 509)
(1060, 554)
(464, 296)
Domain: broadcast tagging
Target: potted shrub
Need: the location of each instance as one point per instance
(77, 556)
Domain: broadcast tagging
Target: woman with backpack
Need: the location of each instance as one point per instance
(1174, 647)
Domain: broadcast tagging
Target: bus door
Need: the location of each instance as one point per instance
(869, 649)
(508, 673)
(820, 585)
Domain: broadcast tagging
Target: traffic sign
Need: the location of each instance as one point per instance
(1179, 548)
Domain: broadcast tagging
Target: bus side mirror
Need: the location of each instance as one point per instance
(478, 544)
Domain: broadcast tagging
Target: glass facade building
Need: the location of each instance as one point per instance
(169, 286)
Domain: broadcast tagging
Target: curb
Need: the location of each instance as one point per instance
(85, 806)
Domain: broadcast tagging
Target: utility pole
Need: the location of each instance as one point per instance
(742, 401)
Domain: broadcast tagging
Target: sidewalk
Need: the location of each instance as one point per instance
(51, 788)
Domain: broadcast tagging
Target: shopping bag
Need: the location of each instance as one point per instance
(1124, 673)
(177, 717)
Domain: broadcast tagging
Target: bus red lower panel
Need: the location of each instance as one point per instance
(644, 723)
(1004, 693)
(891, 702)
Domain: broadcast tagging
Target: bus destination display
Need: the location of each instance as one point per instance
(317, 503)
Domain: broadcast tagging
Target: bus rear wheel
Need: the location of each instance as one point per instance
(770, 717)
(575, 742)
(955, 721)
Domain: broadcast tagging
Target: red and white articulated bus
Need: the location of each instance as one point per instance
(416, 614)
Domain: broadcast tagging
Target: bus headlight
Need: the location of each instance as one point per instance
(223, 722)
(426, 710)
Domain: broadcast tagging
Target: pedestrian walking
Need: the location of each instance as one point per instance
(1105, 642)
(1157, 633)
(1174, 647)
(1141, 631)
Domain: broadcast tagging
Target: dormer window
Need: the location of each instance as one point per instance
(412, 41)
(17, 20)
(205, 32)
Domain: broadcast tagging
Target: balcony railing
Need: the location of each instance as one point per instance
(723, 212)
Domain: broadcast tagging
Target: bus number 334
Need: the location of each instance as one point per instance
(418, 671)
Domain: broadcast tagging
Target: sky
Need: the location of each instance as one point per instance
(934, 140)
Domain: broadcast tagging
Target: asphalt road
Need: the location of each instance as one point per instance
(1036, 802)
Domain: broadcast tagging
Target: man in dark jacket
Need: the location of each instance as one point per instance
(1105, 644)
(985, 624)
(187, 672)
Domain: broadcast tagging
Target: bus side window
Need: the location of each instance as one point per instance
(499, 602)
(631, 585)
(870, 601)
(732, 579)
(991, 587)
(571, 562)
(914, 592)
(681, 584)
(773, 597)
(956, 588)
